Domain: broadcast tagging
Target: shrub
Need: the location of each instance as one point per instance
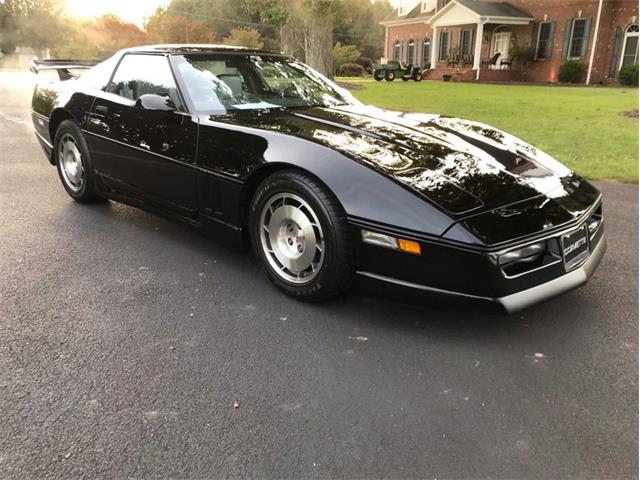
(366, 62)
(523, 55)
(571, 71)
(629, 75)
(351, 70)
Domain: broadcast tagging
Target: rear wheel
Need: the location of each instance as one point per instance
(418, 77)
(390, 76)
(74, 163)
(378, 75)
(300, 234)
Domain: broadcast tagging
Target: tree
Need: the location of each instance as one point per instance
(317, 22)
(359, 24)
(222, 16)
(344, 54)
(38, 24)
(113, 34)
(318, 17)
(163, 27)
(244, 37)
(278, 14)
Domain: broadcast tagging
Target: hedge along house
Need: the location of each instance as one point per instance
(476, 39)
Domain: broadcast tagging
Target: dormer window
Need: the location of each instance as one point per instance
(427, 5)
(403, 8)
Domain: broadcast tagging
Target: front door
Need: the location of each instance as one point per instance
(500, 44)
(145, 154)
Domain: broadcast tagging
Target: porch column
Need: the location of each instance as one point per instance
(435, 46)
(478, 50)
(386, 42)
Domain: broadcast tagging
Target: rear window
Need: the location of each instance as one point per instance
(97, 77)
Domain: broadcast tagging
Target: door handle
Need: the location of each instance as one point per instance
(102, 109)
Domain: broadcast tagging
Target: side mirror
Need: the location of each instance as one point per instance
(156, 102)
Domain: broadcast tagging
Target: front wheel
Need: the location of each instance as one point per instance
(73, 163)
(300, 235)
(390, 76)
(378, 75)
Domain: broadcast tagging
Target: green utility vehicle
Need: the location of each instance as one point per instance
(392, 70)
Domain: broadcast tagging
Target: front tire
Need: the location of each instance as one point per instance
(300, 235)
(390, 76)
(73, 163)
(378, 75)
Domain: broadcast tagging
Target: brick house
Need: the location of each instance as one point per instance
(475, 39)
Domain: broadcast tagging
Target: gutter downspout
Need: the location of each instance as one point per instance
(595, 41)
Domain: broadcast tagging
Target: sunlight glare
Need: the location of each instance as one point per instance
(127, 10)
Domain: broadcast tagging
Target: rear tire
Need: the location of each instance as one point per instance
(390, 76)
(73, 163)
(300, 235)
(378, 75)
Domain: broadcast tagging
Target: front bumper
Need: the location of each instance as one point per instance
(477, 276)
(519, 300)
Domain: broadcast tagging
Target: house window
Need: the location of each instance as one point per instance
(544, 41)
(444, 46)
(427, 5)
(426, 51)
(578, 39)
(465, 42)
(396, 51)
(630, 52)
(411, 52)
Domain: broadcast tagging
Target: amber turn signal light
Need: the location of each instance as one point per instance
(387, 241)
(409, 246)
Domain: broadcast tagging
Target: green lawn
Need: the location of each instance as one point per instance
(584, 128)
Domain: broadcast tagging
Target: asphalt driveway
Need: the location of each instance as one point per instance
(132, 347)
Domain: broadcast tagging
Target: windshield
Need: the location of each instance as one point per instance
(227, 83)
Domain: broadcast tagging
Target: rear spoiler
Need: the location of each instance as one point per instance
(63, 67)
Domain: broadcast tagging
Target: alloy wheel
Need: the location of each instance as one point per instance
(70, 160)
(291, 238)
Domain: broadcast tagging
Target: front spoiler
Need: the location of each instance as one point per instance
(523, 299)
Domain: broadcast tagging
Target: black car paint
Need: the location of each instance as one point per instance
(464, 190)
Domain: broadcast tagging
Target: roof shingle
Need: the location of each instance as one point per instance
(494, 9)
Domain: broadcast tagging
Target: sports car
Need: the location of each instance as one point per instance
(262, 152)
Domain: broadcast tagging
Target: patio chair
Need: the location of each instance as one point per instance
(506, 62)
(491, 61)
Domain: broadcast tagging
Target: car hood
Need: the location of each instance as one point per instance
(463, 167)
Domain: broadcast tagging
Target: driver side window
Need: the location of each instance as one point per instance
(138, 75)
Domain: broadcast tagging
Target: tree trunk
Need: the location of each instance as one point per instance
(320, 45)
(286, 39)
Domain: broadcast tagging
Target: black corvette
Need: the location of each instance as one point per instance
(258, 149)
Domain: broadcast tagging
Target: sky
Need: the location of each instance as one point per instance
(133, 11)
